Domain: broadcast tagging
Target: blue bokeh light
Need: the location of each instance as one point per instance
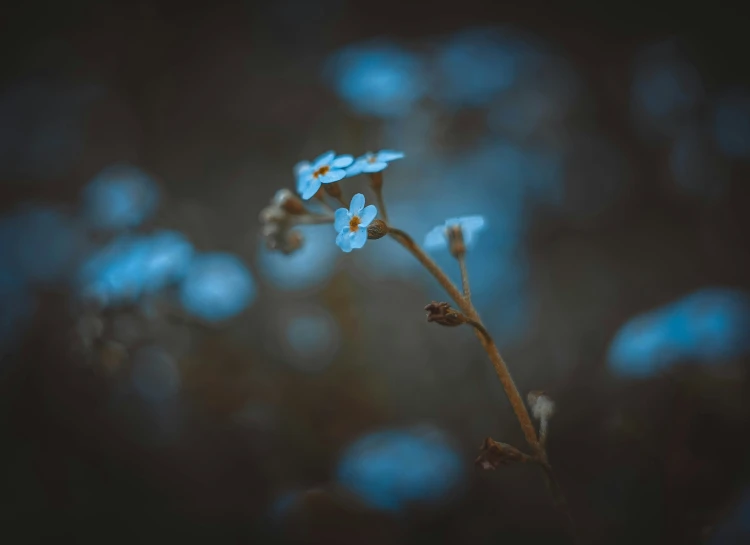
(41, 243)
(665, 88)
(311, 339)
(708, 326)
(391, 469)
(732, 123)
(218, 286)
(474, 65)
(120, 197)
(380, 79)
(306, 268)
(132, 266)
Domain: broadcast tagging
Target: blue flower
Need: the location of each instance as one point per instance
(438, 236)
(326, 169)
(378, 78)
(120, 197)
(217, 287)
(373, 162)
(351, 225)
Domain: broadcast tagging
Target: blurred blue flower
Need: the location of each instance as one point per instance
(218, 286)
(709, 326)
(470, 227)
(132, 266)
(665, 88)
(373, 162)
(311, 338)
(732, 123)
(476, 64)
(307, 267)
(379, 79)
(326, 169)
(393, 468)
(120, 197)
(351, 225)
(41, 243)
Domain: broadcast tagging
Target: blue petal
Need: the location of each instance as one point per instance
(358, 238)
(355, 169)
(310, 188)
(324, 159)
(472, 223)
(342, 161)
(341, 220)
(332, 176)
(367, 215)
(343, 240)
(387, 155)
(435, 238)
(357, 204)
(374, 167)
(303, 167)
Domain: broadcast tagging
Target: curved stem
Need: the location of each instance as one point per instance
(464, 276)
(511, 390)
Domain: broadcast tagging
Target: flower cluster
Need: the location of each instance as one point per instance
(353, 225)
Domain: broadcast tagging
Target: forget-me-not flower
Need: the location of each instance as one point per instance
(326, 169)
(438, 236)
(373, 162)
(351, 225)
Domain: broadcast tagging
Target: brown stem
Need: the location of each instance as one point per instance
(381, 202)
(464, 276)
(519, 408)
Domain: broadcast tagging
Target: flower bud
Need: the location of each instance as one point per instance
(377, 229)
(443, 314)
(456, 241)
(494, 454)
(542, 406)
(333, 189)
(272, 213)
(289, 202)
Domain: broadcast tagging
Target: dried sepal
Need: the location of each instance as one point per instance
(456, 240)
(443, 314)
(494, 454)
(377, 229)
(289, 202)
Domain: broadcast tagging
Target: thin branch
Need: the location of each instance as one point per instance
(464, 277)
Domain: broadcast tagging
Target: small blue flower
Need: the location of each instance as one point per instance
(326, 169)
(373, 162)
(351, 225)
(438, 236)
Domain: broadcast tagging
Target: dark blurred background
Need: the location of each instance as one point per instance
(167, 378)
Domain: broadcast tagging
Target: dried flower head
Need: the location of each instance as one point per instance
(443, 314)
(494, 454)
(377, 229)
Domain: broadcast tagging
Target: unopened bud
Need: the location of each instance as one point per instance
(494, 454)
(289, 202)
(271, 214)
(456, 241)
(542, 406)
(376, 180)
(377, 229)
(443, 314)
(333, 189)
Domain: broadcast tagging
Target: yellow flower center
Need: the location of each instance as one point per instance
(372, 158)
(321, 171)
(354, 223)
